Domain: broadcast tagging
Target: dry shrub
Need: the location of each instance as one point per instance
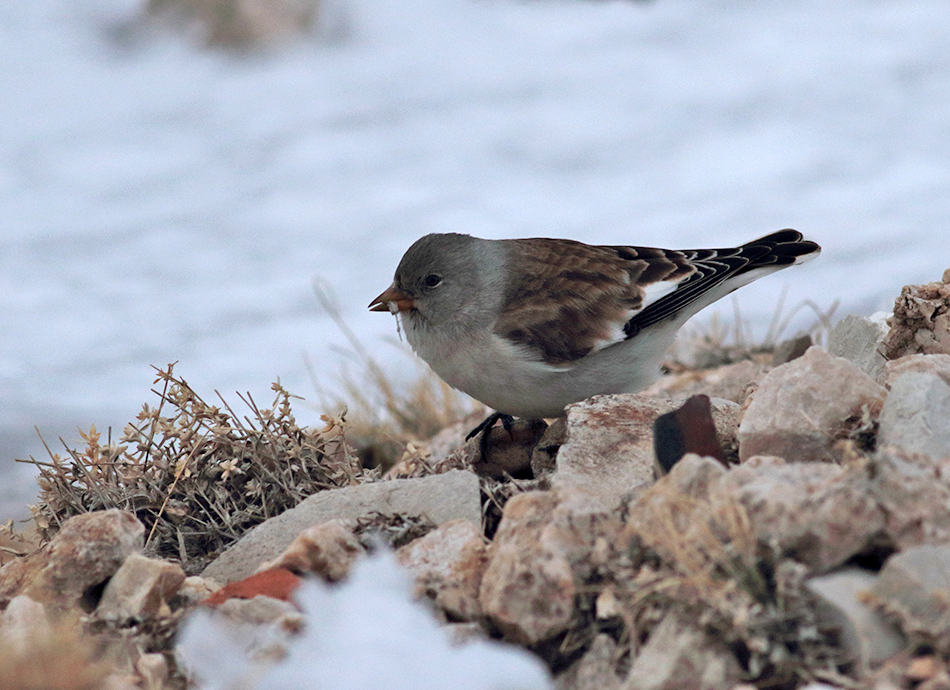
(718, 341)
(15, 543)
(198, 476)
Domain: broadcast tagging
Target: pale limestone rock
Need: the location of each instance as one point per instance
(914, 499)
(728, 381)
(819, 514)
(801, 408)
(678, 656)
(674, 507)
(141, 587)
(860, 340)
(327, 550)
(609, 446)
(866, 635)
(790, 349)
(596, 670)
(447, 565)
(921, 321)
(152, 671)
(196, 588)
(915, 418)
(261, 610)
(440, 498)
(583, 529)
(918, 364)
(22, 623)
(912, 587)
(83, 555)
(528, 589)
(460, 634)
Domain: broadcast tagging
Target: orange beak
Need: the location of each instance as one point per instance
(392, 300)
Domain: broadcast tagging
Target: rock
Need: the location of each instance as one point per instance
(508, 452)
(918, 364)
(673, 508)
(609, 447)
(914, 499)
(915, 417)
(327, 550)
(527, 589)
(152, 671)
(548, 542)
(274, 583)
(790, 349)
(596, 670)
(860, 340)
(583, 529)
(462, 633)
(727, 381)
(818, 514)
(77, 563)
(692, 479)
(22, 623)
(448, 564)
(688, 429)
(921, 321)
(865, 634)
(801, 408)
(141, 587)
(544, 455)
(441, 498)
(195, 588)
(262, 610)
(678, 656)
(912, 588)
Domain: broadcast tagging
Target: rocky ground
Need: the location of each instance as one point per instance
(800, 537)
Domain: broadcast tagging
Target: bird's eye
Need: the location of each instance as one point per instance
(433, 280)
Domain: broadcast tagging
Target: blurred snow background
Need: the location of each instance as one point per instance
(165, 202)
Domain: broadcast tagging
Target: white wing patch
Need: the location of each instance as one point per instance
(615, 333)
(657, 291)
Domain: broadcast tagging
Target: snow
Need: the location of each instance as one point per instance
(163, 202)
(363, 634)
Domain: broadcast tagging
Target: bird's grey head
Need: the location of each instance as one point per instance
(453, 280)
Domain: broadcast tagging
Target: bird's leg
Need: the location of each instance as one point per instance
(485, 429)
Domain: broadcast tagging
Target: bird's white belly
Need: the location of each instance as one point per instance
(501, 375)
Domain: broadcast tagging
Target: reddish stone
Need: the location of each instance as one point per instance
(277, 583)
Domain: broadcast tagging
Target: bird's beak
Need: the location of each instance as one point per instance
(392, 300)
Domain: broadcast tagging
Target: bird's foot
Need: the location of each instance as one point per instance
(485, 430)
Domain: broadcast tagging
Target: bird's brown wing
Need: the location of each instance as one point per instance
(570, 299)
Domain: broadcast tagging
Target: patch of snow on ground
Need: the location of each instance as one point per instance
(362, 634)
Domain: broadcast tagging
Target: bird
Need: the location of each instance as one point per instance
(529, 326)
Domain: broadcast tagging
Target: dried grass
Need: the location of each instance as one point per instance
(15, 543)
(721, 341)
(198, 476)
